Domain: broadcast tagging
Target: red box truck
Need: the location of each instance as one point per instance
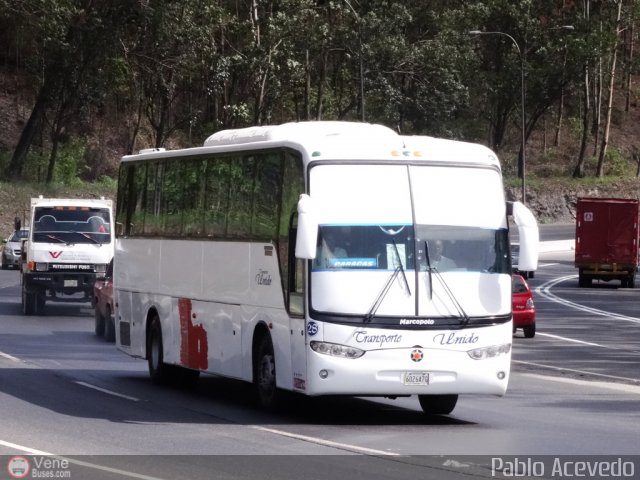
(607, 240)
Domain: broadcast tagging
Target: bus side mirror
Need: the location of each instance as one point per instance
(529, 237)
(307, 235)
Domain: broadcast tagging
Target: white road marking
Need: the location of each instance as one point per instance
(328, 443)
(574, 381)
(572, 340)
(10, 357)
(573, 370)
(544, 291)
(104, 390)
(24, 449)
(94, 466)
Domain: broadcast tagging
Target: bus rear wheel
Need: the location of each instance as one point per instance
(438, 404)
(264, 374)
(158, 370)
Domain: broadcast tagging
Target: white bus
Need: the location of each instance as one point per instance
(309, 257)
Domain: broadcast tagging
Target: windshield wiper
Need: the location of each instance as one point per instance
(57, 239)
(385, 289)
(445, 287)
(88, 237)
(404, 275)
(426, 250)
(383, 293)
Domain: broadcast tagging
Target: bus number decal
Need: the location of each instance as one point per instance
(312, 328)
(194, 347)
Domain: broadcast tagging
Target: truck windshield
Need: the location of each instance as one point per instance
(72, 225)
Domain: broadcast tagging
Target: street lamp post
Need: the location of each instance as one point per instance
(522, 103)
(360, 55)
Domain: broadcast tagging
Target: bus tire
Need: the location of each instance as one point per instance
(438, 404)
(158, 370)
(264, 374)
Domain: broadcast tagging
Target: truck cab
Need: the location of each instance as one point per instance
(70, 244)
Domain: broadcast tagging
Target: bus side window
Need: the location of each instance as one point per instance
(296, 270)
(296, 295)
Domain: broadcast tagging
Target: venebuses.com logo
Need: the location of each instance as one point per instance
(38, 467)
(18, 467)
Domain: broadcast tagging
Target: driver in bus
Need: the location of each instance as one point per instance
(438, 260)
(328, 249)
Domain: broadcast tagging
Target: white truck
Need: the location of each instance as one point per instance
(70, 244)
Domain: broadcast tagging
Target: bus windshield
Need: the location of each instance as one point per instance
(377, 247)
(354, 263)
(468, 249)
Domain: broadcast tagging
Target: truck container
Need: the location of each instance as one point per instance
(606, 240)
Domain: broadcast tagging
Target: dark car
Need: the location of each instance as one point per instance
(524, 310)
(103, 303)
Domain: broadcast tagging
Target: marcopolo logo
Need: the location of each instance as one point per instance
(18, 467)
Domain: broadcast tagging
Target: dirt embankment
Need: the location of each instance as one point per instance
(552, 202)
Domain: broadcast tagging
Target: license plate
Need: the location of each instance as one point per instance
(71, 283)
(416, 378)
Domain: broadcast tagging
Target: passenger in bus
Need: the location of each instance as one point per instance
(438, 260)
(329, 250)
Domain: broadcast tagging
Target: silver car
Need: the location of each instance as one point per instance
(12, 251)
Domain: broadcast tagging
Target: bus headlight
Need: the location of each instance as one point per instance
(489, 352)
(336, 350)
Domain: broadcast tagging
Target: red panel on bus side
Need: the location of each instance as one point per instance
(194, 347)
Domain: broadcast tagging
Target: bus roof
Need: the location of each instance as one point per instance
(303, 132)
(322, 140)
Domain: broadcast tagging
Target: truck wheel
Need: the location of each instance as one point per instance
(29, 301)
(264, 374)
(584, 281)
(109, 326)
(158, 370)
(41, 301)
(631, 281)
(438, 404)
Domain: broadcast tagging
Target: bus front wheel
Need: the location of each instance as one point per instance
(438, 404)
(265, 374)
